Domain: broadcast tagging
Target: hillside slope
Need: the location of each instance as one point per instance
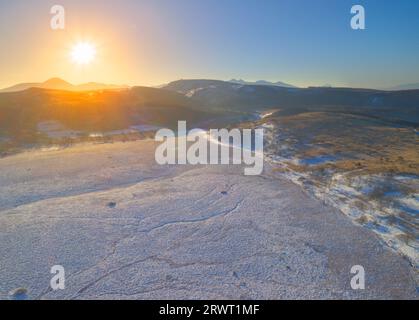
(395, 106)
(28, 117)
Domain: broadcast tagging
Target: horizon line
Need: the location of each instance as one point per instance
(232, 80)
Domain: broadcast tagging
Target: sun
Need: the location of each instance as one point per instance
(83, 53)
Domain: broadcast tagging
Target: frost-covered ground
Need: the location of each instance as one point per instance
(367, 169)
(124, 227)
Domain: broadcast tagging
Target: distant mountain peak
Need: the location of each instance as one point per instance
(56, 80)
(409, 86)
(57, 83)
(262, 83)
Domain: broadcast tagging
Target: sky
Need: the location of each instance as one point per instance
(152, 42)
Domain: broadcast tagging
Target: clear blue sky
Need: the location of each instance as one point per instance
(303, 42)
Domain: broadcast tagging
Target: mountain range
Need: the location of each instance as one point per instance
(60, 84)
(394, 106)
(262, 83)
(410, 86)
(200, 102)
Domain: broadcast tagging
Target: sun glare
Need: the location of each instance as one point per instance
(83, 53)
